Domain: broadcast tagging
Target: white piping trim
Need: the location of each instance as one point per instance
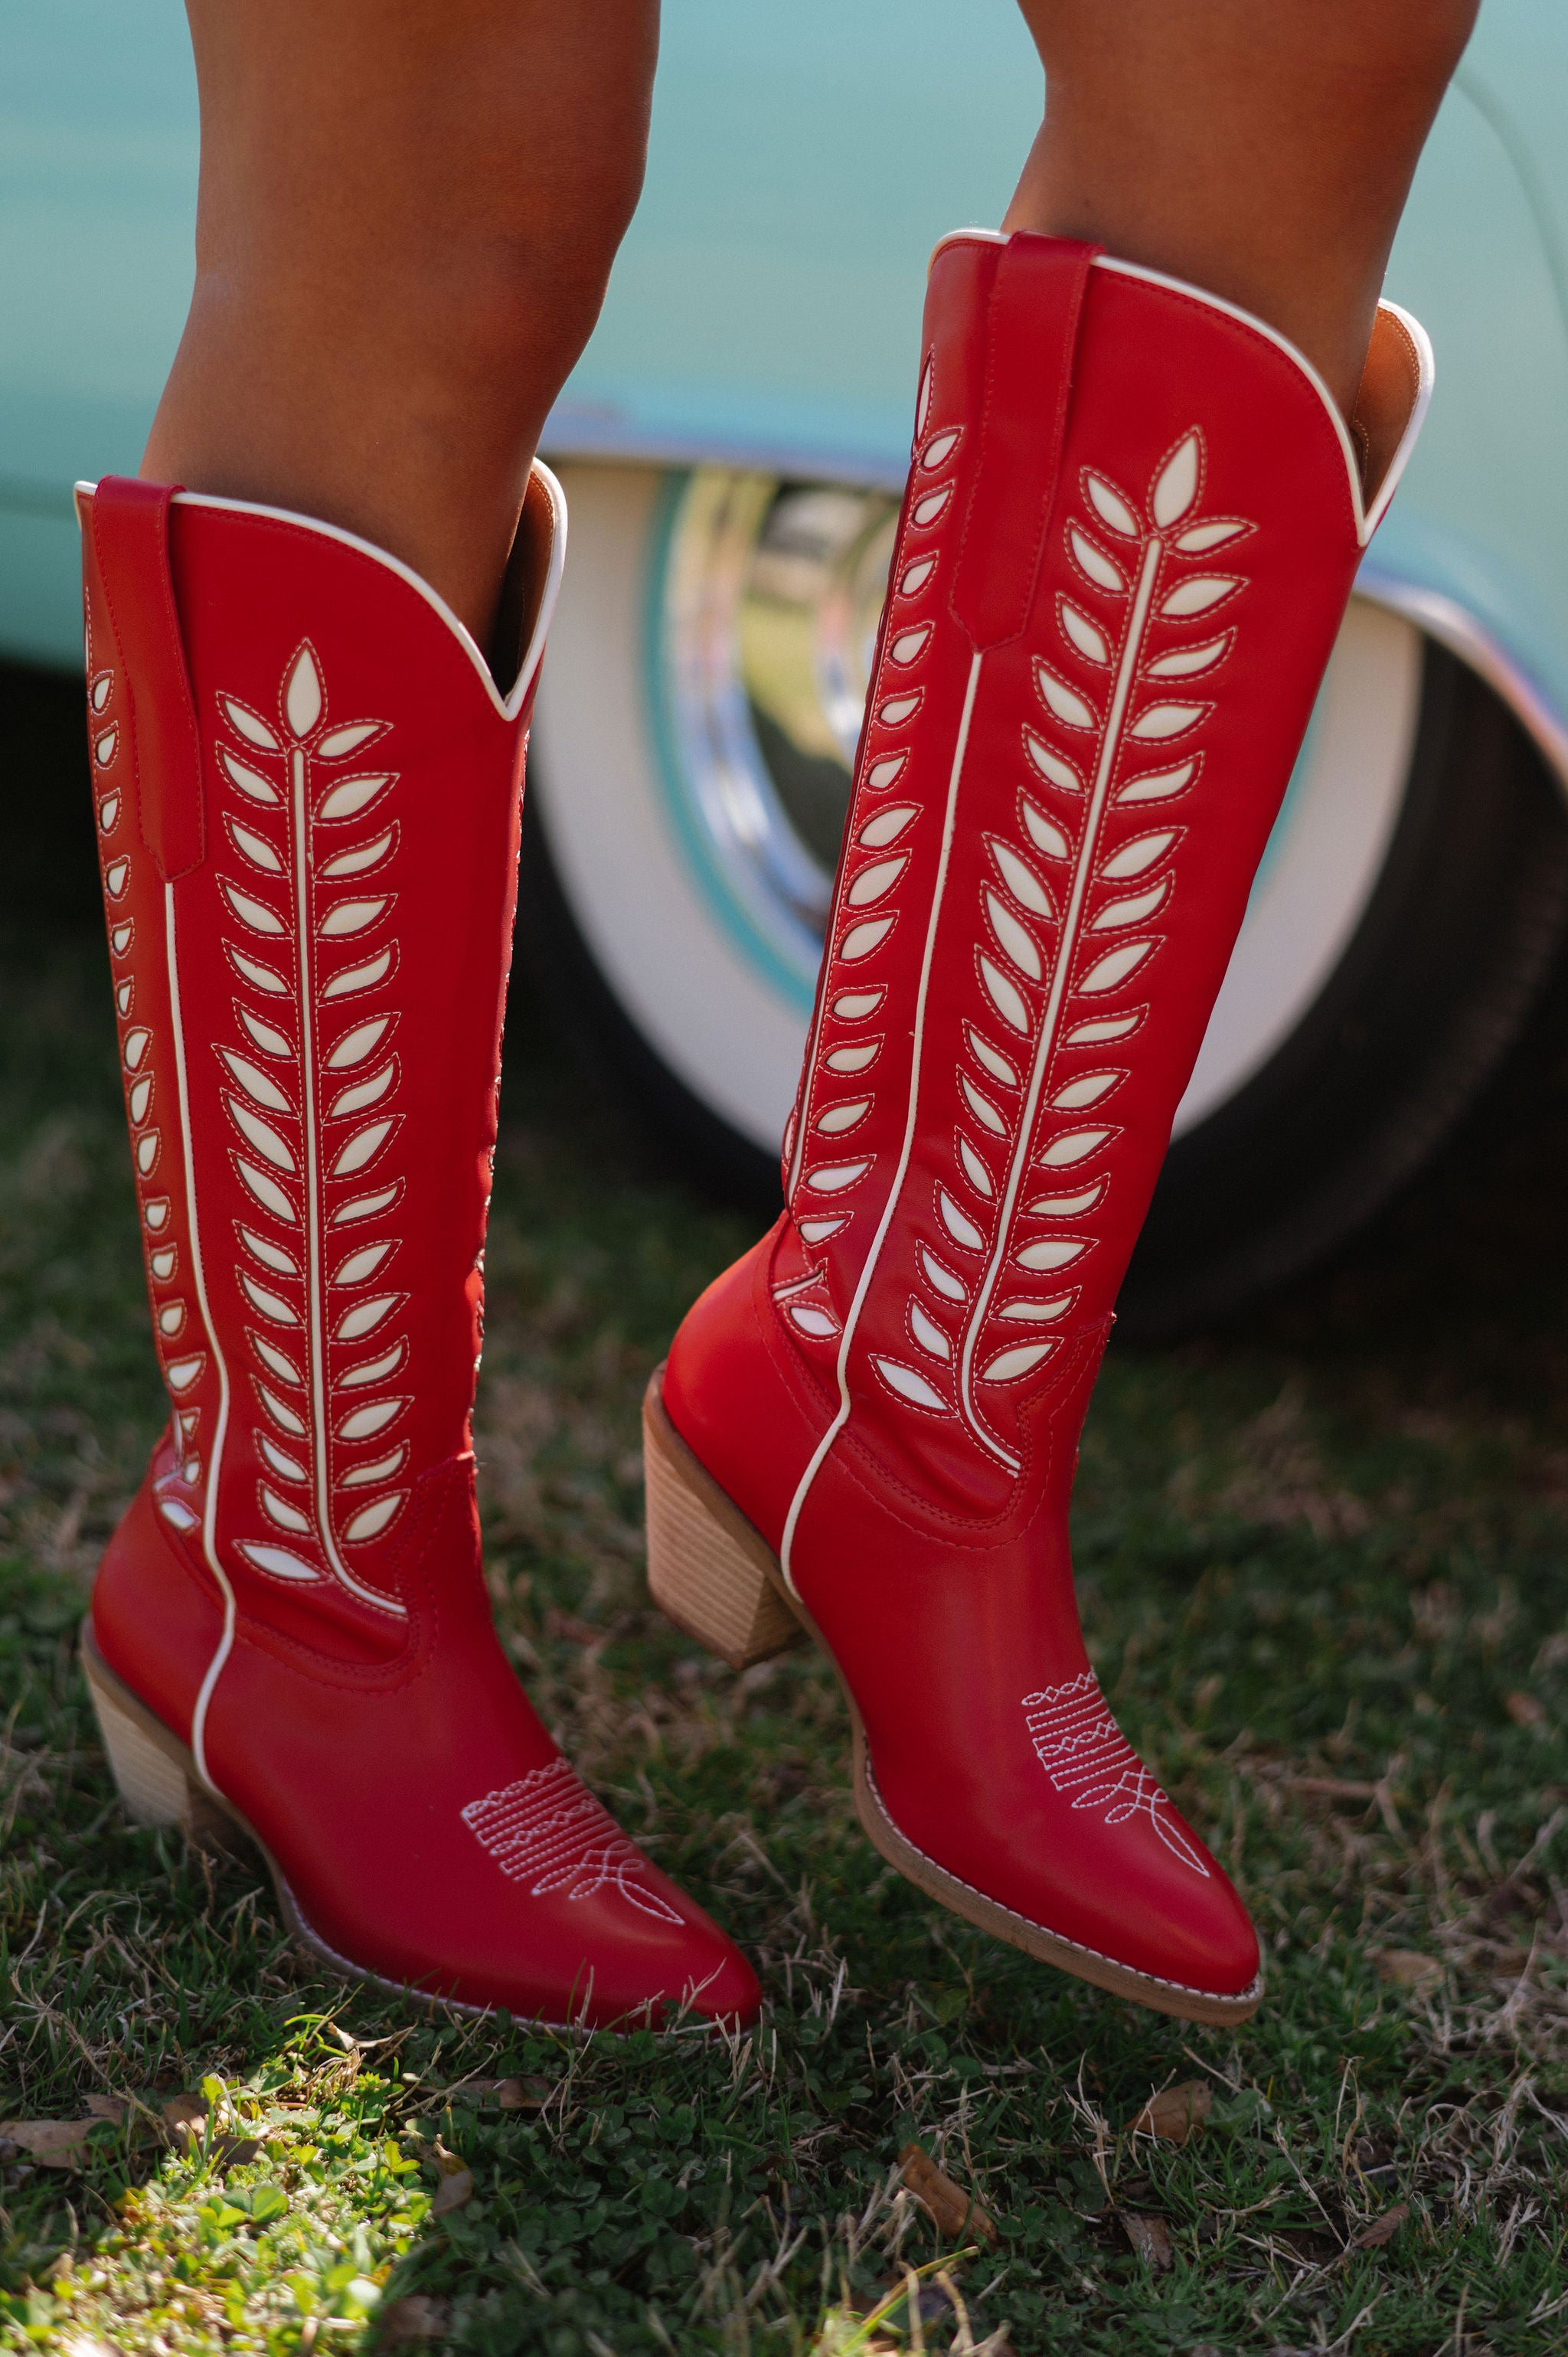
(1367, 519)
(507, 707)
(950, 817)
(214, 1456)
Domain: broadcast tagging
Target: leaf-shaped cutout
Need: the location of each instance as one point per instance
(115, 877)
(1159, 785)
(374, 1520)
(1134, 858)
(279, 1510)
(1083, 634)
(927, 386)
(1007, 1001)
(980, 1107)
(267, 1191)
(250, 782)
(303, 697)
(278, 1561)
(1051, 1251)
(171, 1318)
(263, 1036)
(249, 724)
(1043, 833)
(347, 917)
(1020, 878)
(256, 848)
(349, 796)
(262, 1134)
(361, 1094)
(119, 939)
(1132, 911)
(1062, 700)
(1016, 939)
(253, 913)
(911, 1385)
(374, 1371)
(124, 997)
(148, 1148)
(1105, 1027)
(838, 1118)
(975, 1170)
(156, 1214)
(366, 1207)
(1037, 1313)
(924, 513)
(261, 977)
(817, 1232)
(287, 1468)
(182, 1372)
(362, 1265)
(176, 1510)
(356, 1045)
(256, 1082)
(1199, 538)
(266, 1303)
(1197, 596)
(98, 694)
(1190, 662)
(271, 1255)
(886, 827)
(854, 1006)
(338, 743)
(951, 1287)
(1109, 505)
(861, 939)
(282, 1415)
(364, 1477)
(874, 880)
(104, 746)
(815, 1322)
(940, 448)
(991, 1058)
(1051, 765)
(362, 1148)
(1086, 1090)
(1008, 1366)
(1092, 560)
(355, 979)
(109, 814)
(164, 1263)
(886, 772)
(927, 1333)
(835, 1176)
(1068, 1207)
(1176, 487)
(1076, 1145)
(854, 1059)
(897, 709)
(368, 854)
(909, 645)
(365, 1316)
(364, 1423)
(916, 576)
(959, 1225)
(135, 1046)
(1165, 720)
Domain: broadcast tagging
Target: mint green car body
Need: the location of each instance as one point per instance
(765, 308)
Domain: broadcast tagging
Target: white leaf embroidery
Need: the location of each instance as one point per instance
(1177, 489)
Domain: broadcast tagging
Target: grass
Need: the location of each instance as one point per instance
(1323, 1572)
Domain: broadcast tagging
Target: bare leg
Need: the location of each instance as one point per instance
(407, 217)
(1263, 152)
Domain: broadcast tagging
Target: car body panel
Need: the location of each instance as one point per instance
(765, 306)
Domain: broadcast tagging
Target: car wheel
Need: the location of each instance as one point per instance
(688, 779)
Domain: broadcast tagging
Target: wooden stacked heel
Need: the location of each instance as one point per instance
(709, 1570)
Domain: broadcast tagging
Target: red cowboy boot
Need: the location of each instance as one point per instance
(307, 791)
(1132, 525)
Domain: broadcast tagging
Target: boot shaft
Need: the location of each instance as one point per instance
(1131, 525)
(309, 789)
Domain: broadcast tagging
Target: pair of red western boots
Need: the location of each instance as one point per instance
(1133, 518)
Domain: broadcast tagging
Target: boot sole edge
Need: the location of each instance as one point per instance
(715, 1599)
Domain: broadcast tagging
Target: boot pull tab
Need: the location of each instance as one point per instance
(128, 528)
(1031, 333)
